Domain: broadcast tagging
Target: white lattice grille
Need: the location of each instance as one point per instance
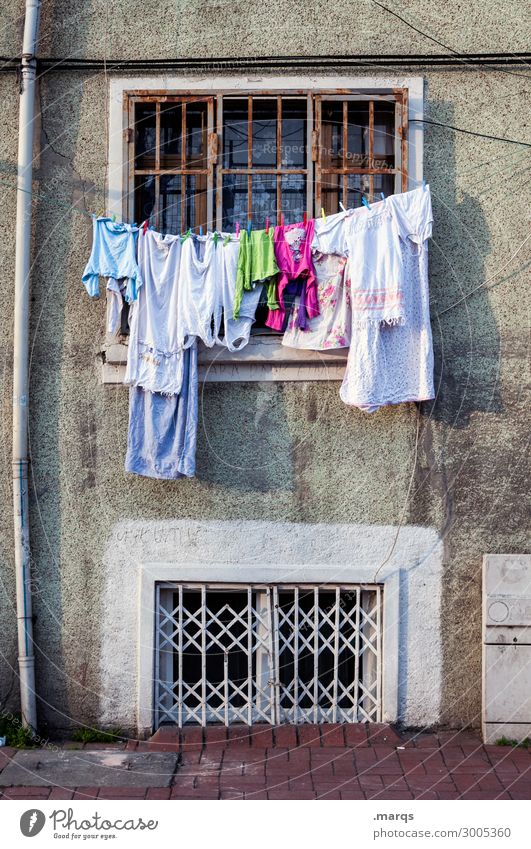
(278, 654)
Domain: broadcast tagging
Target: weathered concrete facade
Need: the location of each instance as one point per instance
(278, 452)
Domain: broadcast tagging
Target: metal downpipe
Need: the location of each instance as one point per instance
(26, 658)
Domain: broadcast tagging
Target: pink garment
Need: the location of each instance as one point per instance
(293, 253)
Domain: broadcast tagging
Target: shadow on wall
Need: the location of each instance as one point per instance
(466, 338)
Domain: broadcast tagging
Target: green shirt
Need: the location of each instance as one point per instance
(256, 264)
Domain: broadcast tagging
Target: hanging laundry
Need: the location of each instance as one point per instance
(371, 238)
(113, 255)
(392, 363)
(256, 264)
(155, 356)
(236, 331)
(332, 327)
(293, 253)
(201, 265)
(161, 441)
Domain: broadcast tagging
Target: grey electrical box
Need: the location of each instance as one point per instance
(506, 647)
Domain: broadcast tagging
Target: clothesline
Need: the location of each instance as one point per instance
(356, 279)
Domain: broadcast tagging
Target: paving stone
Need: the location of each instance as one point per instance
(158, 793)
(215, 736)
(86, 793)
(261, 737)
(309, 735)
(287, 794)
(25, 792)
(122, 793)
(356, 734)
(6, 753)
(378, 733)
(426, 741)
(38, 767)
(60, 793)
(286, 735)
(238, 735)
(333, 735)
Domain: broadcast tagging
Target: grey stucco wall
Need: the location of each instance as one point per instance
(301, 455)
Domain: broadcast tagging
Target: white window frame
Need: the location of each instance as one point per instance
(264, 358)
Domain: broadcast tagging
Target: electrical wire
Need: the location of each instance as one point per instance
(489, 60)
(462, 57)
(467, 132)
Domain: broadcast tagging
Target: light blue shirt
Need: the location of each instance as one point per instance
(113, 255)
(161, 441)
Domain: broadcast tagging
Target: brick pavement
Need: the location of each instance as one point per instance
(316, 762)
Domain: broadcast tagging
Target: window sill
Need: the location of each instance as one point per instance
(264, 358)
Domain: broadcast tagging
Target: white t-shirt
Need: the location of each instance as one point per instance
(235, 331)
(393, 363)
(206, 293)
(371, 240)
(201, 264)
(154, 360)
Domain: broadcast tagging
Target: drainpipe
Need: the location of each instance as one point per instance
(26, 659)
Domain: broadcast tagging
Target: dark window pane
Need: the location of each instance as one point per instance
(294, 135)
(196, 201)
(357, 186)
(384, 135)
(354, 192)
(235, 133)
(235, 205)
(264, 200)
(170, 205)
(330, 193)
(145, 199)
(196, 135)
(384, 183)
(264, 133)
(332, 134)
(144, 135)
(170, 136)
(293, 197)
(358, 135)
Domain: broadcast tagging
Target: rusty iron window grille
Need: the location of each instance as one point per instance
(288, 654)
(209, 161)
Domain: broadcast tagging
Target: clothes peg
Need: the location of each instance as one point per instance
(382, 195)
(305, 218)
(282, 220)
(342, 207)
(237, 228)
(215, 238)
(200, 229)
(249, 228)
(267, 225)
(365, 202)
(424, 185)
(186, 235)
(226, 240)
(145, 225)
(323, 216)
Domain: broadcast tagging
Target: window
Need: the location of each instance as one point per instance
(268, 653)
(254, 150)
(200, 161)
